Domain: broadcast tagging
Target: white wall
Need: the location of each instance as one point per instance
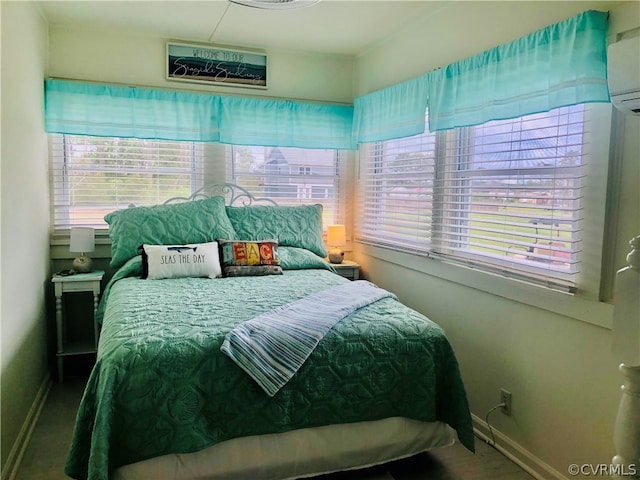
(116, 57)
(25, 216)
(562, 376)
(560, 370)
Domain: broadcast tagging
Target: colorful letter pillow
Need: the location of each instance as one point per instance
(177, 224)
(177, 261)
(245, 258)
(295, 226)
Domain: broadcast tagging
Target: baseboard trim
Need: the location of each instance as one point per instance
(515, 452)
(16, 454)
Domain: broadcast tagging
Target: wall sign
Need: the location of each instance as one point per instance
(203, 64)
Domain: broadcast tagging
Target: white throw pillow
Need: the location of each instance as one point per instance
(177, 261)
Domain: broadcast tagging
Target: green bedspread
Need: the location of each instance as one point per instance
(161, 384)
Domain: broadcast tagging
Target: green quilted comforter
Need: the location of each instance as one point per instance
(161, 384)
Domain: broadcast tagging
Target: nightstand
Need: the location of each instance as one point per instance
(79, 282)
(347, 269)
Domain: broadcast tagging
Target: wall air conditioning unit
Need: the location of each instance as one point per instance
(623, 65)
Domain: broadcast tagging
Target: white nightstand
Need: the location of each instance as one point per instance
(347, 269)
(79, 282)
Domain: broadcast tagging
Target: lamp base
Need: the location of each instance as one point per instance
(336, 255)
(82, 264)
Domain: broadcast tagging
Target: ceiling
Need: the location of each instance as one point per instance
(343, 27)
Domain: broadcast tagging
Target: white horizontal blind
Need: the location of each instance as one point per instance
(92, 176)
(504, 197)
(396, 193)
(290, 176)
(511, 195)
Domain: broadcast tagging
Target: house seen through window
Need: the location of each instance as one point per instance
(290, 176)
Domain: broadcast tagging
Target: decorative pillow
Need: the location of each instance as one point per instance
(249, 253)
(258, 270)
(178, 224)
(241, 258)
(296, 226)
(294, 258)
(177, 261)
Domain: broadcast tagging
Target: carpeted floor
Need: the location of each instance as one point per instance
(45, 456)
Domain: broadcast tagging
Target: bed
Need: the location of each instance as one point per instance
(167, 399)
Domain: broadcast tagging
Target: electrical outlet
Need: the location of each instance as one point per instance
(505, 398)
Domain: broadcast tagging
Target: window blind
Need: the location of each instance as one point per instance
(504, 197)
(511, 194)
(92, 176)
(396, 193)
(290, 176)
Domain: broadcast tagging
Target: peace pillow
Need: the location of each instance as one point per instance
(179, 261)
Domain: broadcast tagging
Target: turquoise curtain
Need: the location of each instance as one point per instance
(119, 111)
(393, 112)
(563, 64)
(285, 123)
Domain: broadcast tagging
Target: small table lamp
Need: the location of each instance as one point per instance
(336, 237)
(82, 240)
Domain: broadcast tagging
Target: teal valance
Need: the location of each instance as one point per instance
(279, 123)
(562, 64)
(393, 112)
(120, 111)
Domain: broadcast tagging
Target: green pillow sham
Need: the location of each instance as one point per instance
(294, 258)
(293, 226)
(175, 224)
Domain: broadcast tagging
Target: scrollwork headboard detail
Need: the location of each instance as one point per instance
(234, 195)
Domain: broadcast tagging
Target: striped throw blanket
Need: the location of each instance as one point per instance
(273, 346)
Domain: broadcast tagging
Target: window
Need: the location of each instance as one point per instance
(397, 186)
(290, 176)
(92, 176)
(505, 196)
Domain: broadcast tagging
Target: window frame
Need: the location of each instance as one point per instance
(585, 304)
(217, 167)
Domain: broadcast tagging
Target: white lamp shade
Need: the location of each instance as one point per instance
(336, 235)
(82, 240)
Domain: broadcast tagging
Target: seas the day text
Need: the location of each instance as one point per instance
(181, 259)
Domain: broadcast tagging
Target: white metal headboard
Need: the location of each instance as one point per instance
(234, 195)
